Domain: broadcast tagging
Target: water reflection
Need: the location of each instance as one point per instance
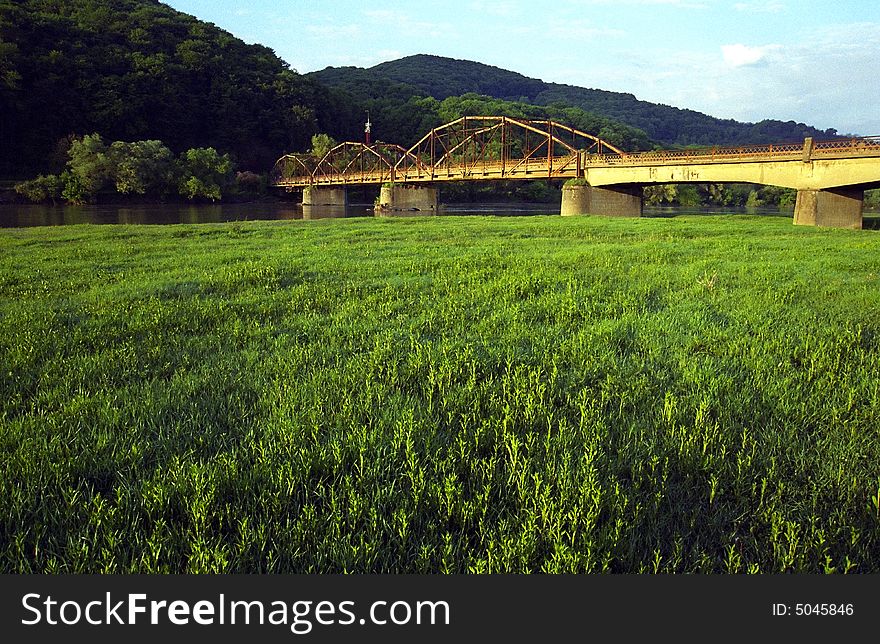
(331, 212)
(25, 215)
(674, 211)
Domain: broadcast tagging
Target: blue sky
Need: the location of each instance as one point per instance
(808, 60)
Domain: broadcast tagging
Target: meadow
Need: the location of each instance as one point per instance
(441, 395)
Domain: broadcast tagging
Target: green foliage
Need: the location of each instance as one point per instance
(444, 77)
(715, 194)
(688, 195)
(43, 188)
(754, 201)
(773, 196)
(204, 173)
(719, 195)
(321, 145)
(142, 167)
(90, 166)
(447, 394)
(535, 192)
(73, 191)
(660, 194)
(139, 70)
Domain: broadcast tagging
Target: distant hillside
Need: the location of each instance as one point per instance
(402, 112)
(443, 77)
(138, 69)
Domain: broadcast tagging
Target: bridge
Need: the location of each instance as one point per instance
(830, 176)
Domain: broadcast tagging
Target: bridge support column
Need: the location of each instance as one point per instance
(314, 196)
(609, 201)
(834, 208)
(399, 198)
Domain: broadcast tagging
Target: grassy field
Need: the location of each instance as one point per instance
(474, 394)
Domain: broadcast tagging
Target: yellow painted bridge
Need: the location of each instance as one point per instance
(830, 176)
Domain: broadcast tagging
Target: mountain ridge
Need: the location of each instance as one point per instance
(441, 77)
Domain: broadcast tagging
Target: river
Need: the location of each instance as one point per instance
(27, 215)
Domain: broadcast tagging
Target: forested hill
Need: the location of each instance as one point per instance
(443, 77)
(138, 69)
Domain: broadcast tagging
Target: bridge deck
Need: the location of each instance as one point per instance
(410, 168)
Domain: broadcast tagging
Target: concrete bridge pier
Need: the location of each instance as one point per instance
(834, 208)
(609, 201)
(394, 198)
(315, 196)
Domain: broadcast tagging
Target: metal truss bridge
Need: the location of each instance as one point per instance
(481, 148)
(470, 148)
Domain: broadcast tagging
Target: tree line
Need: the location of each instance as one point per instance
(139, 70)
(140, 168)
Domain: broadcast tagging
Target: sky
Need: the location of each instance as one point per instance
(809, 61)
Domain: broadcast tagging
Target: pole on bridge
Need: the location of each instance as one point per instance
(367, 127)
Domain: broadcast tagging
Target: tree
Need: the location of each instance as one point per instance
(90, 168)
(321, 145)
(43, 188)
(204, 173)
(660, 193)
(142, 167)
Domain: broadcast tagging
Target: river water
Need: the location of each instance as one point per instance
(26, 215)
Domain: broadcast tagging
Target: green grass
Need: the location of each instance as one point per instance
(535, 394)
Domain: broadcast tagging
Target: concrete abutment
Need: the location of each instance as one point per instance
(833, 208)
(315, 196)
(396, 198)
(608, 201)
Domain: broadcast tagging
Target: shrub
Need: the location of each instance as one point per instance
(204, 173)
(43, 188)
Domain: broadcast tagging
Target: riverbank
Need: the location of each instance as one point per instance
(448, 394)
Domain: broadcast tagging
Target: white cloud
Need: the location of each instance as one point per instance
(682, 4)
(760, 7)
(398, 23)
(582, 30)
(334, 32)
(740, 55)
(497, 9)
(388, 54)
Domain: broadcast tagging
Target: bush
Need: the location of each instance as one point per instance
(74, 192)
(204, 174)
(90, 167)
(143, 167)
(140, 168)
(43, 188)
(250, 182)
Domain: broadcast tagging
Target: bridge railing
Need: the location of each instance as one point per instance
(392, 163)
(861, 146)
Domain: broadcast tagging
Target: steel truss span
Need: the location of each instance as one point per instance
(470, 148)
(481, 148)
